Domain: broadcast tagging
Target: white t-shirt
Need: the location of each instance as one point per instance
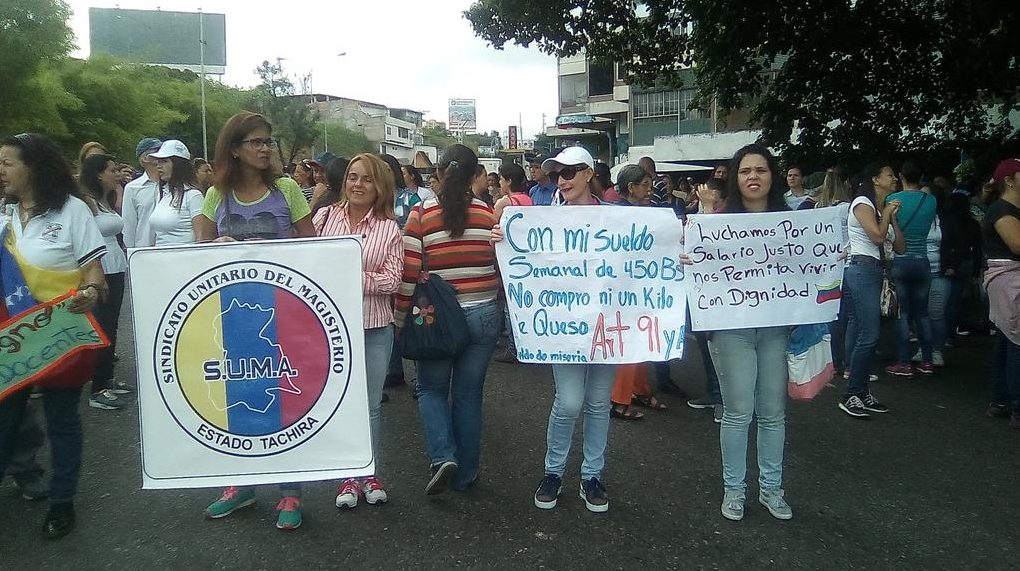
(61, 240)
(139, 200)
(425, 193)
(172, 224)
(794, 201)
(860, 244)
(110, 224)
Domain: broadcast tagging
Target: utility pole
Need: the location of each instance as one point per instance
(201, 52)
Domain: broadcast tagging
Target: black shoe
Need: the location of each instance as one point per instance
(996, 410)
(394, 380)
(441, 475)
(548, 492)
(871, 404)
(853, 406)
(32, 489)
(594, 495)
(671, 388)
(59, 521)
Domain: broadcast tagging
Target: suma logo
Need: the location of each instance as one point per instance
(253, 358)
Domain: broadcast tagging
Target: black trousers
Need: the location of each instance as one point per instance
(107, 313)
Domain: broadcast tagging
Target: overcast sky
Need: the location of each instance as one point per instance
(400, 53)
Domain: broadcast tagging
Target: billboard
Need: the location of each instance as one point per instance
(158, 37)
(462, 115)
(511, 137)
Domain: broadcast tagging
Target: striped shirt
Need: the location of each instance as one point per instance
(382, 253)
(467, 263)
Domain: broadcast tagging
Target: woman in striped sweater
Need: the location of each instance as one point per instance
(452, 231)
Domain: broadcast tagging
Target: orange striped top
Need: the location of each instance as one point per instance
(467, 263)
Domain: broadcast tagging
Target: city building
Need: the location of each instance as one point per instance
(397, 131)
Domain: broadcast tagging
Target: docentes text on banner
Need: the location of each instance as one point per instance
(41, 338)
(593, 284)
(764, 269)
(251, 366)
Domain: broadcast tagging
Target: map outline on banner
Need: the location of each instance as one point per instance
(181, 424)
(104, 341)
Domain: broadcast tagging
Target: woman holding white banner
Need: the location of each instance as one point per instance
(862, 287)
(751, 363)
(586, 387)
(367, 209)
(252, 201)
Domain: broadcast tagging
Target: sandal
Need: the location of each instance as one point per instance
(649, 401)
(625, 413)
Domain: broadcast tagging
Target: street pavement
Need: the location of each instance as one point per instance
(932, 485)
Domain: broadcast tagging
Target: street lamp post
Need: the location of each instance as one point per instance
(201, 52)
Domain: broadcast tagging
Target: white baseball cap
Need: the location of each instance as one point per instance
(568, 157)
(172, 148)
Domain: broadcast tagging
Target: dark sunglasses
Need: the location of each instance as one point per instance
(567, 173)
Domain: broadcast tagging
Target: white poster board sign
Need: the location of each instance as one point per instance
(250, 361)
(593, 284)
(762, 270)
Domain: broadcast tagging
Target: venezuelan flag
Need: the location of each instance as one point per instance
(252, 359)
(828, 292)
(23, 285)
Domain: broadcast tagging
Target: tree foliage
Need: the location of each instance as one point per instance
(295, 124)
(854, 76)
(344, 142)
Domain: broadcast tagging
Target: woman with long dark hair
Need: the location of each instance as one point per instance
(451, 233)
(869, 231)
(751, 362)
(336, 170)
(53, 245)
(98, 178)
(179, 203)
(367, 210)
(251, 201)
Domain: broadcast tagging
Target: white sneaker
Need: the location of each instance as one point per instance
(917, 357)
(373, 491)
(938, 359)
(347, 494)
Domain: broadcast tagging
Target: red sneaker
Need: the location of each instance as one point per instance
(347, 494)
(926, 368)
(900, 370)
(373, 490)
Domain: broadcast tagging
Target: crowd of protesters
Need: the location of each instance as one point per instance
(952, 255)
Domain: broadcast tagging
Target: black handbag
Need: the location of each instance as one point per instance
(435, 327)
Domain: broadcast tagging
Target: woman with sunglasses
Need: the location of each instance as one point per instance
(579, 388)
(304, 176)
(252, 201)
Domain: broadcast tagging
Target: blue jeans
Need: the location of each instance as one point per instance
(63, 426)
(580, 388)
(711, 377)
(450, 401)
(837, 330)
(938, 304)
(912, 275)
(752, 369)
(861, 295)
(378, 345)
(1006, 373)
(955, 304)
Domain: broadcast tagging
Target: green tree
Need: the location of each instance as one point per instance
(438, 137)
(32, 32)
(847, 76)
(295, 124)
(344, 142)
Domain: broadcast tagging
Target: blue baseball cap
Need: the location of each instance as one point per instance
(146, 144)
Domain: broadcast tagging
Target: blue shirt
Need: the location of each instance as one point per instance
(915, 217)
(542, 195)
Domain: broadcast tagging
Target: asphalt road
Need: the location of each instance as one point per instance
(933, 485)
